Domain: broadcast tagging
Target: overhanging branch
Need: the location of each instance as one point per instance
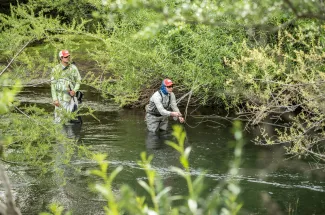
(12, 60)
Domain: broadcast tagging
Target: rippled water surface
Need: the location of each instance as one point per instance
(266, 180)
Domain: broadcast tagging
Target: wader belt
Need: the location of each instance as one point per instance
(155, 114)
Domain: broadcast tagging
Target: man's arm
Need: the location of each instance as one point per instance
(174, 107)
(158, 102)
(173, 103)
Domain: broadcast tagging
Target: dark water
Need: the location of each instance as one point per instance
(270, 184)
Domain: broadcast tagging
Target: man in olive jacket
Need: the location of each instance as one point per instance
(65, 82)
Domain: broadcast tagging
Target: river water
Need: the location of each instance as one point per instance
(270, 184)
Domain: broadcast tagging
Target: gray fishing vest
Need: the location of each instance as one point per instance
(152, 109)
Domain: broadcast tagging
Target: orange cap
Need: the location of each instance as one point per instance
(167, 82)
(64, 53)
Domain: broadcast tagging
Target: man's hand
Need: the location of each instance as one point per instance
(72, 93)
(175, 114)
(56, 103)
(181, 119)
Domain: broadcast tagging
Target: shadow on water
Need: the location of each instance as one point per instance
(156, 140)
(69, 181)
(266, 178)
(72, 130)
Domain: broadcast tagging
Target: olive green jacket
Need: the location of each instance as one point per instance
(64, 79)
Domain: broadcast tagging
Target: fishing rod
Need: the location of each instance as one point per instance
(74, 102)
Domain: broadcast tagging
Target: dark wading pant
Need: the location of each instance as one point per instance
(155, 124)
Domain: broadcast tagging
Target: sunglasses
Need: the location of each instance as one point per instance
(171, 86)
(66, 56)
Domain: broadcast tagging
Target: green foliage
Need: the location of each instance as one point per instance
(28, 133)
(125, 52)
(7, 97)
(55, 210)
(209, 12)
(32, 137)
(283, 78)
(190, 55)
(7, 94)
(141, 42)
(160, 200)
(30, 24)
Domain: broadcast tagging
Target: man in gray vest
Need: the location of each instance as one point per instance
(157, 109)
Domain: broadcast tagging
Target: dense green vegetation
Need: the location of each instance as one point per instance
(264, 61)
(225, 54)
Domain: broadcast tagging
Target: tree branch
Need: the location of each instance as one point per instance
(12, 60)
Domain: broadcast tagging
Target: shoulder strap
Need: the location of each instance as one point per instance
(163, 97)
(67, 67)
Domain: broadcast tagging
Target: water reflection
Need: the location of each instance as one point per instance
(157, 140)
(63, 155)
(72, 130)
(70, 188)
(164, 155)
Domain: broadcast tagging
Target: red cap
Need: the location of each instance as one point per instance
(64, 53)
(167, 82)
